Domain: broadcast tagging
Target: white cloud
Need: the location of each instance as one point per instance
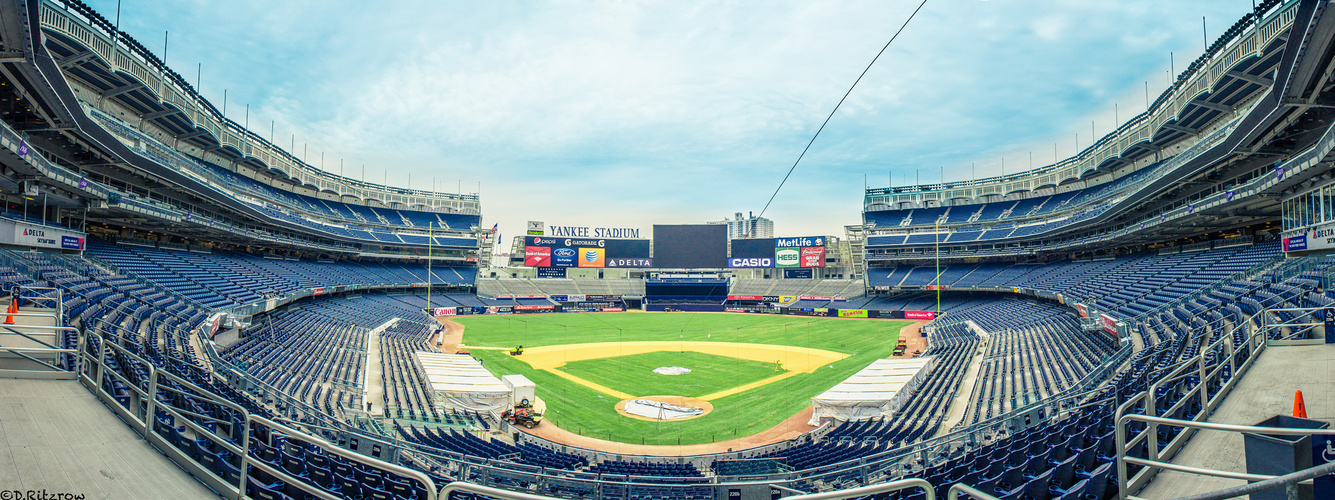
(632, 113)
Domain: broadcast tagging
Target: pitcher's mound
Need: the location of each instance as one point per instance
(671, 408)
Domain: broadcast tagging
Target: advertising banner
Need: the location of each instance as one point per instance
(215, 324)
(563, 257)
(812, 297)
(535, 308)
(733, 310)
(613, 309)
(505, 296)
(751, 262)
(839, 299)
(935, 287)
(1295, 243)
(1109, 324)
(446, 311)
(813, 257)
(317, 291)
(538, 256)
(1084, 311)
(551, 272)
(919, 314)
(535, 296)
(746, 297)
(71, 242)
(603, 297)
(1321, 237)
(852, 313)
(787, 257)
(798, 273)
(592, 257)
(32, 235)
(787, 298)
(629, 262)
(805, 241)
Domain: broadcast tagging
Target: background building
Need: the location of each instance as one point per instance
(747, 227)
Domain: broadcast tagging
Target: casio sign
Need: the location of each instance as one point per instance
(751, 262)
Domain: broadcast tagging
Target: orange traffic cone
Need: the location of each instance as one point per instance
(1299, 408)
(13, 308)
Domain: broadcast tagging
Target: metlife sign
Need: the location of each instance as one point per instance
(806, 241)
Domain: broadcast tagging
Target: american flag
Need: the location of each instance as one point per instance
(495, 226)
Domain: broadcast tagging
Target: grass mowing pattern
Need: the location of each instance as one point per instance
(579, 409)
(634, 374)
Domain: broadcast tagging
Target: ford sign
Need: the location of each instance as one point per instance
(563, 257)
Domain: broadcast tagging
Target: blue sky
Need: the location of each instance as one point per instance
(628, 114)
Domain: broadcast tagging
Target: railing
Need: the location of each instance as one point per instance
(40, 354)
(1212, 374)
(145, 402)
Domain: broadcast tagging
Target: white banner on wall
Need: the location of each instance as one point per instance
(33, 235)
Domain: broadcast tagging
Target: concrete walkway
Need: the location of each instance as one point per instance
(373, 391)
(1265, 390)
(959, 407)
(56, 436)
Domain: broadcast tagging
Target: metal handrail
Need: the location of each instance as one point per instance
(961, 488)
(1256, 342)
(426, 481)
(1288, 481)
(872, 489)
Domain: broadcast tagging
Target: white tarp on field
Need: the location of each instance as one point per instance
(459, 382)
(660, 410)
(880, 389)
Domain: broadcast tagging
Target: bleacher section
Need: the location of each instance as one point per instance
(223, 279)
(1128, 286)
(1003, 219)
(354, 219)
(313, 351)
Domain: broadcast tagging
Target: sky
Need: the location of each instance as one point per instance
(631, 113)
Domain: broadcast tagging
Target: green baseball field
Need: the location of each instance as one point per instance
(755, 370)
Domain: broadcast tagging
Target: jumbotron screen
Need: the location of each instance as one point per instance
(690, 246)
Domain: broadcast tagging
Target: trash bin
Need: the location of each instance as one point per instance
(1276, 454)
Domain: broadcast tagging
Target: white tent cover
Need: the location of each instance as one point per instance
(880, 389)
(459, 382)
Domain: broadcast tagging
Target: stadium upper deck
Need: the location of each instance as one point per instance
(1242, 124)
(125, 142)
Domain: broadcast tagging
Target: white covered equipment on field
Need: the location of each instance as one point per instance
(880, 389)
(521, 390)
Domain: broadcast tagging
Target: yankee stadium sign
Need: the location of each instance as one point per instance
(593, 232)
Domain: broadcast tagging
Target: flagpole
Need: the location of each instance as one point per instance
(430, 242)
